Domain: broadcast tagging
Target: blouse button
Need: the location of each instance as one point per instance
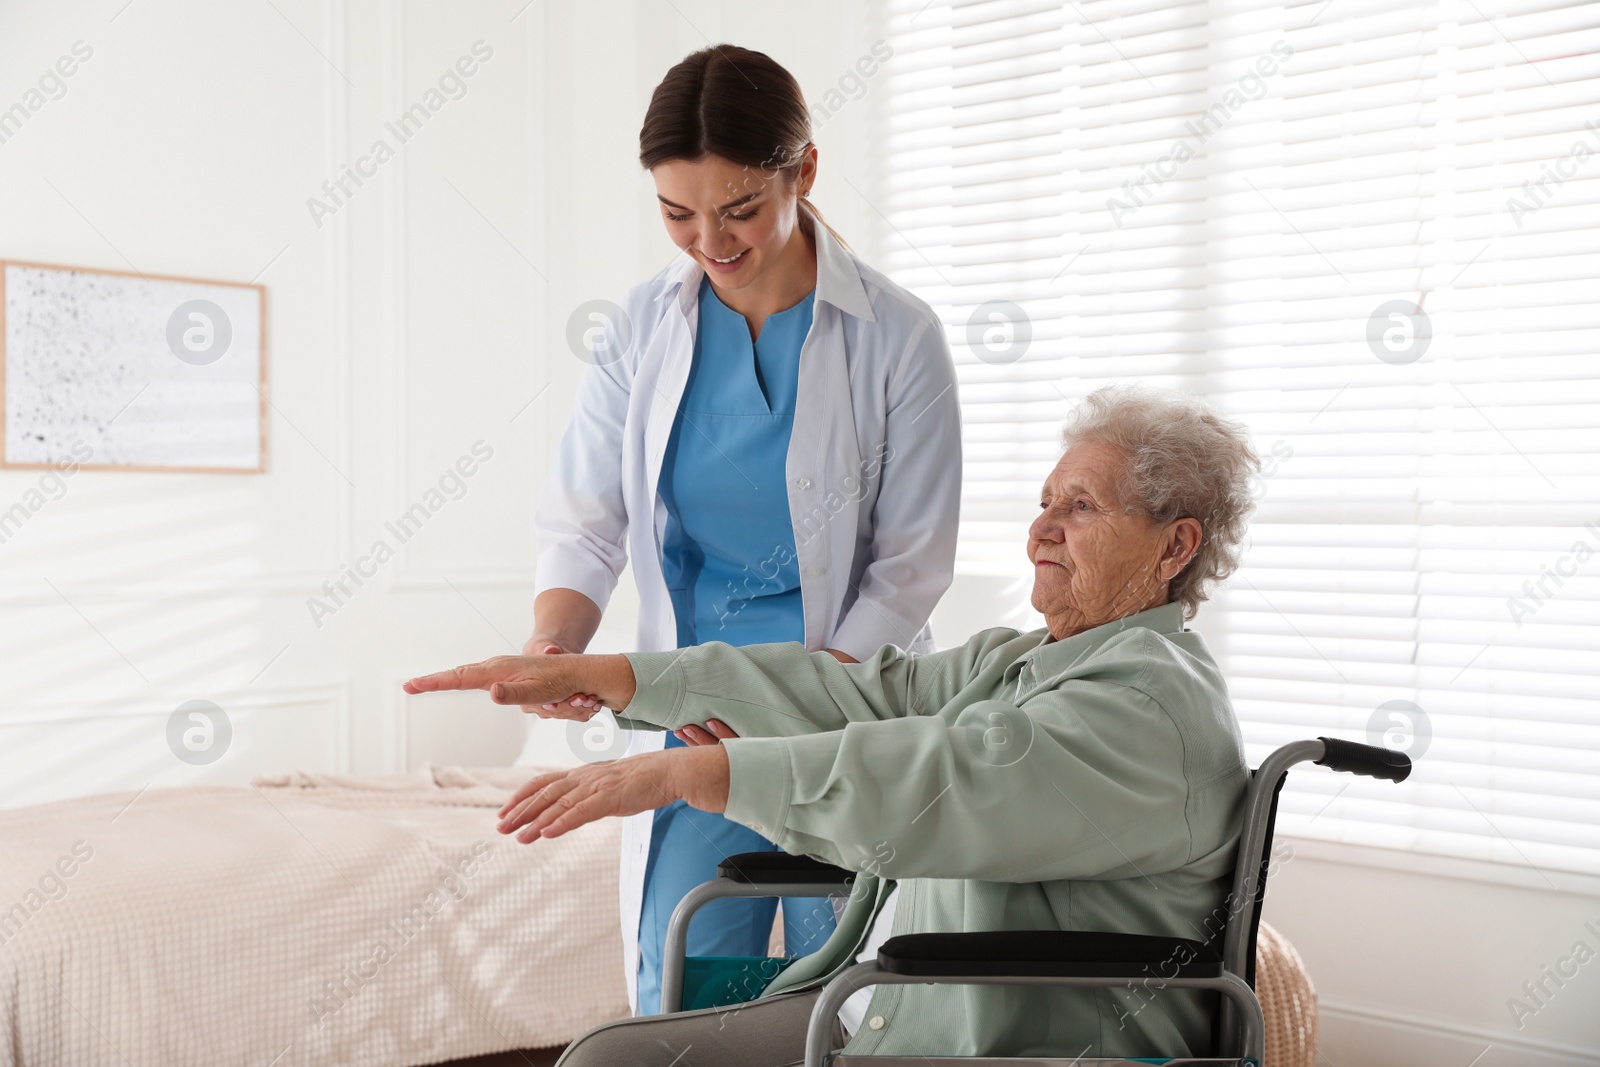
(802, 483)
(876, 1022)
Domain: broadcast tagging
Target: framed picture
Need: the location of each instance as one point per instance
(122, 371)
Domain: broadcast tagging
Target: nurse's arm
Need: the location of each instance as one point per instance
(564, 620)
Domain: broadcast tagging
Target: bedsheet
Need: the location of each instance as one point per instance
(305, 919)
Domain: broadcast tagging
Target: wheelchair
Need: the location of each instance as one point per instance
(1047, 957)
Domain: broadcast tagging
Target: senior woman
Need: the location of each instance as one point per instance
(1084, 776)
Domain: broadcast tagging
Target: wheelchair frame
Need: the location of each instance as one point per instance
(1055, 957)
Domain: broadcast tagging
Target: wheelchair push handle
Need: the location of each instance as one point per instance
(1370, 760)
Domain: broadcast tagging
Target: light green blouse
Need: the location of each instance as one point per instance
(1014, 782)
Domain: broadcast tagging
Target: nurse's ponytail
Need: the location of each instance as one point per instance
(735, 103)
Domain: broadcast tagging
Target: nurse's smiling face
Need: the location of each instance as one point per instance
(740, 223)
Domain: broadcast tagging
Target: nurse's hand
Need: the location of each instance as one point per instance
(554, 803)
(714, 732)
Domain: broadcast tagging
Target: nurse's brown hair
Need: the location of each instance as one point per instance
(731, 102)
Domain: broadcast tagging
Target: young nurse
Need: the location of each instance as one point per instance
(769, 429)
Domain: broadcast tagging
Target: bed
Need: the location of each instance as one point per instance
(374, 921)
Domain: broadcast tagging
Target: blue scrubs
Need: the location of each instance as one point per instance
(729, 561)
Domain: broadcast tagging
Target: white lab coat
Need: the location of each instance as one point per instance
(874, 476)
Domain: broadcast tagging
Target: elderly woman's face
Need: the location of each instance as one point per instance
(1094, 560)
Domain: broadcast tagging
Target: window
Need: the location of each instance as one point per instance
(1372, 232)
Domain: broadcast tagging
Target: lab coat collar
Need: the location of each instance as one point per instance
(838, 277)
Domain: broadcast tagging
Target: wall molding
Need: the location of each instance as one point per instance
(397, 301)
(397, 234)
(335, 695)
(427, 580)
(1455, 868)
(282, 583)
(336, 132)
(297, 584)
(1407, 1037)
(328, 703)
(46, 712)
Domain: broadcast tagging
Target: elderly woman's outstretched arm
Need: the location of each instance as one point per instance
(781, 690)
(988, 773)
(1107, 733)
(769, 690)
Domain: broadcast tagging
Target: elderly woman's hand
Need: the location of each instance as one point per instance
(543, 682)
(554, 803)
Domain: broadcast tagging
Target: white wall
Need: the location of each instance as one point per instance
(1415, 958)
(407, 326)
(422, 317)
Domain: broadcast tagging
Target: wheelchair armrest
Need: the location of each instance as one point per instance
(1039, 957)
(780, 868)
(1370, 760)
(1049, 953)
(749, 874)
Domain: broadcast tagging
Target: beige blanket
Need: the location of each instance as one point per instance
(307, 919)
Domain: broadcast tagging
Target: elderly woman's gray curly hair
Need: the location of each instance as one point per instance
(1183, 460)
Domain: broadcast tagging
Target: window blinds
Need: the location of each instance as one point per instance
(1370, 230)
